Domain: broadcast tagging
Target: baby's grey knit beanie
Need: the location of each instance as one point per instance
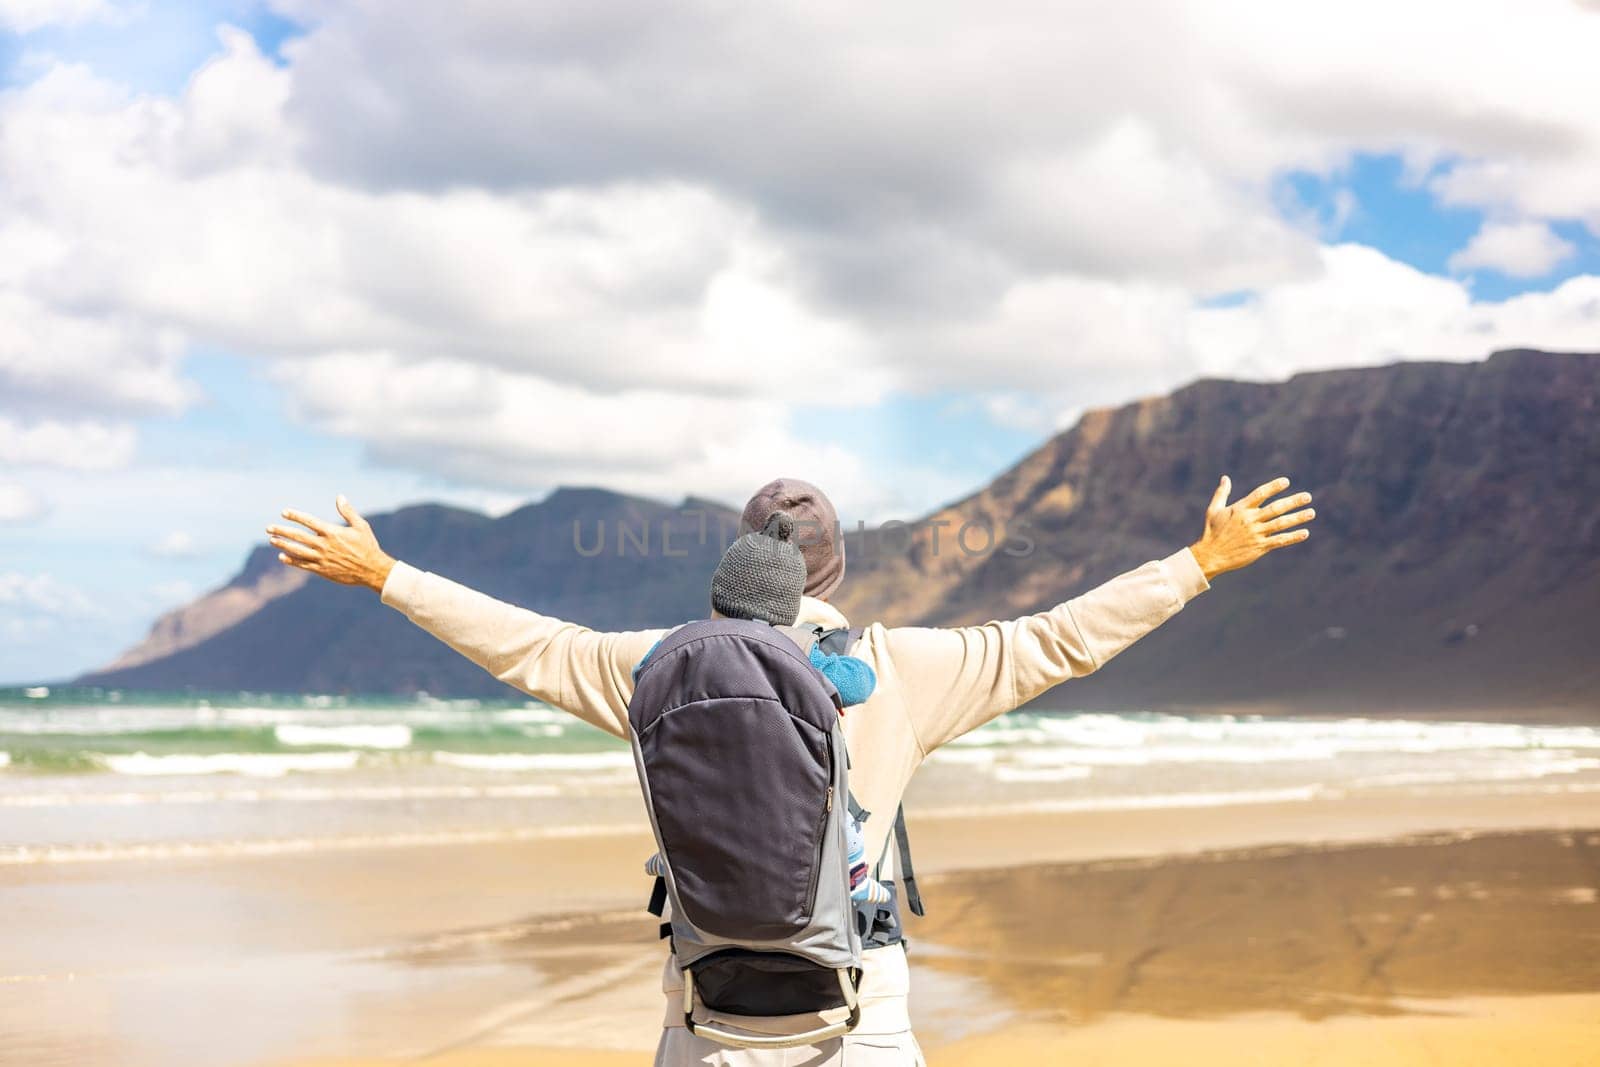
(762, 575)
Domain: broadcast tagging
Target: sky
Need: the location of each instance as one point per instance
(255, 254)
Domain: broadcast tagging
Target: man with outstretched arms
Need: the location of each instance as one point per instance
(934, 684)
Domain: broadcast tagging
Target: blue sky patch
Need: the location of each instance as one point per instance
(1371, 201)
(1385, 210)
(156, 47)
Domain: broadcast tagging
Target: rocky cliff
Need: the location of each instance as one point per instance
(1454, 563)
(1455, 559)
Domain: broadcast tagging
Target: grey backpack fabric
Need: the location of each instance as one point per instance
(742, 762)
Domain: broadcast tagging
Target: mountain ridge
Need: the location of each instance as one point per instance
(1455, 560)
(1456, 510)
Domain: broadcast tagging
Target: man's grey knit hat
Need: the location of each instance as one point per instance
(762, 575)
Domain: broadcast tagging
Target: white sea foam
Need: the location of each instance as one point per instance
(138, 798)
(1146, 740)
(250, 764)
(1070, 772)
(454, 703)
(1149, 755)
(1531, 771)
(974, 757)
(111, 722)
(1000, 733)
(535, 713)
(1346, 735)
(1099, 731)
(1135, 802)
(106, 724)
(537, 761)
(93, 720)
(377, 735)
(28, 855)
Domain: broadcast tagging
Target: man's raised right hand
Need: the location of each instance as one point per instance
(349, 555)
(1240, 533)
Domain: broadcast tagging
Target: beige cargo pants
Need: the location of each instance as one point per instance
(680, 1048)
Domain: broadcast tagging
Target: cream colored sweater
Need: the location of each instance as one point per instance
(934, 684)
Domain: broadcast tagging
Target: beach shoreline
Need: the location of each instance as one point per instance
(1459, 947)
(269, 883)
(454, 953)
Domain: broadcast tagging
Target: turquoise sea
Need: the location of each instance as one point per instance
(100, 775)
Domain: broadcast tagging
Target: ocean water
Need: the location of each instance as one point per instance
(96, 776)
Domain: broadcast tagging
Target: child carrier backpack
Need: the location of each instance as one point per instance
(742, 761)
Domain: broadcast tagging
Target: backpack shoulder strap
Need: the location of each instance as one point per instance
(839, 641)
(804, 636)
(908, 874)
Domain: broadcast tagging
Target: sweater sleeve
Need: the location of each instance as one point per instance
(957, 679)
(574, 668)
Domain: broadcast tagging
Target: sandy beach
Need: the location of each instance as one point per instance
(1455, 948)
(1336, 931)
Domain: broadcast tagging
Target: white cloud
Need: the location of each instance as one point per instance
(1090, 208)
(79, 445)
(492, 427)
(39, 615)
(1361, 309)
(23, 16)
(177, 544)
(42, 595)
(19, 504)
(922, 106)
(1020, 411)
(509, 245)
(172, 594)
(60, 359)
(1515, 249)
(653, 284)
(1368, 309)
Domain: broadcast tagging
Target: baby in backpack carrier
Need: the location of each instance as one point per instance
(762, 576)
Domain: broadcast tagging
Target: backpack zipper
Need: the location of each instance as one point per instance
(822, 839)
